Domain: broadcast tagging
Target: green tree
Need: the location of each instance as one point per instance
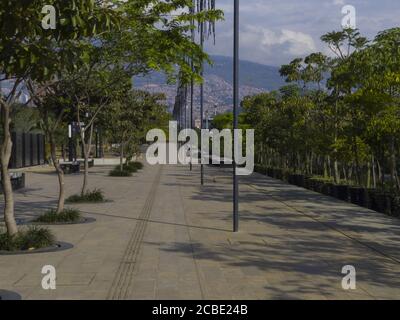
(129, 119)
(28, 52)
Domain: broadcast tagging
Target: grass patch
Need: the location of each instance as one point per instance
(68, 215)
(93, 196)
(118, 173)
(33, 237)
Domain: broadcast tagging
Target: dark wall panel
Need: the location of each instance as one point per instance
(16, 160)
(19, 151)
(34, 150)
(40, 139)
(28, 150)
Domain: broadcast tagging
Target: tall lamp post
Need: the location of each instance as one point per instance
(201, 94)
(192, 83)
(235, 111)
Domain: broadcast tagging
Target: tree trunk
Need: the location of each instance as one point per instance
(60, 174)
(369, 175)
(357, 160)
(5, 155)
(335, 164)
(85, 176)
(336, 171)
(86, 154)
(392, 163)
(121, 157)
(325, 167)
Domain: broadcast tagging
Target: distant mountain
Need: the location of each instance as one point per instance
(251, 74)
(254, 78)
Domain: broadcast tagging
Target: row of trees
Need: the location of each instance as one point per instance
(82, 70)
(339, 116)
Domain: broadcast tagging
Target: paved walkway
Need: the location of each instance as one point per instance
(164, 237)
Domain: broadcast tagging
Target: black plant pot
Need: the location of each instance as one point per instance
(363, 198)
(285, 176)
(278, 174)
(313, 185)
(326, 188)
(317, 185)
(307, 183)
(380, 202)
(264, 170)
(372, 202)
(396, 206)
(300, 180)
(333, 190)
(342, 192)
(359, 196)
(354, 195)
(389, 199)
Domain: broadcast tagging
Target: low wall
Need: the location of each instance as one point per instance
(107, 161)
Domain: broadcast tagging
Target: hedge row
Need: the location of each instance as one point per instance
(373, 199)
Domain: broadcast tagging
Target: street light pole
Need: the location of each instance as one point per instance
(192, 84)
(235, 112)
(201, 94)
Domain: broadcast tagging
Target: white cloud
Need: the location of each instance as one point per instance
(277, 31)
(339, 2)
(291, 42)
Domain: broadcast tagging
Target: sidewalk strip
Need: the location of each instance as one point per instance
(123, 278)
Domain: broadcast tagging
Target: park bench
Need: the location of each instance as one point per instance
(17, 181)
(70, 167)
(82, 163)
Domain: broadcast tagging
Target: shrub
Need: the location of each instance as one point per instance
(94, 196)
(134, 166)
(127, 168)
(118, 173)
(27, 239)
(68, 215)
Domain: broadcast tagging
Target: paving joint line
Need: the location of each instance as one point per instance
(123, 278)
(192, 247)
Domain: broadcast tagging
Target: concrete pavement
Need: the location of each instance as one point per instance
(163, 236)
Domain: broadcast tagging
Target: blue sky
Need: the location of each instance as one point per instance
(275, 31)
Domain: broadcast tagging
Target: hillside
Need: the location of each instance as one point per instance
(254, 78)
